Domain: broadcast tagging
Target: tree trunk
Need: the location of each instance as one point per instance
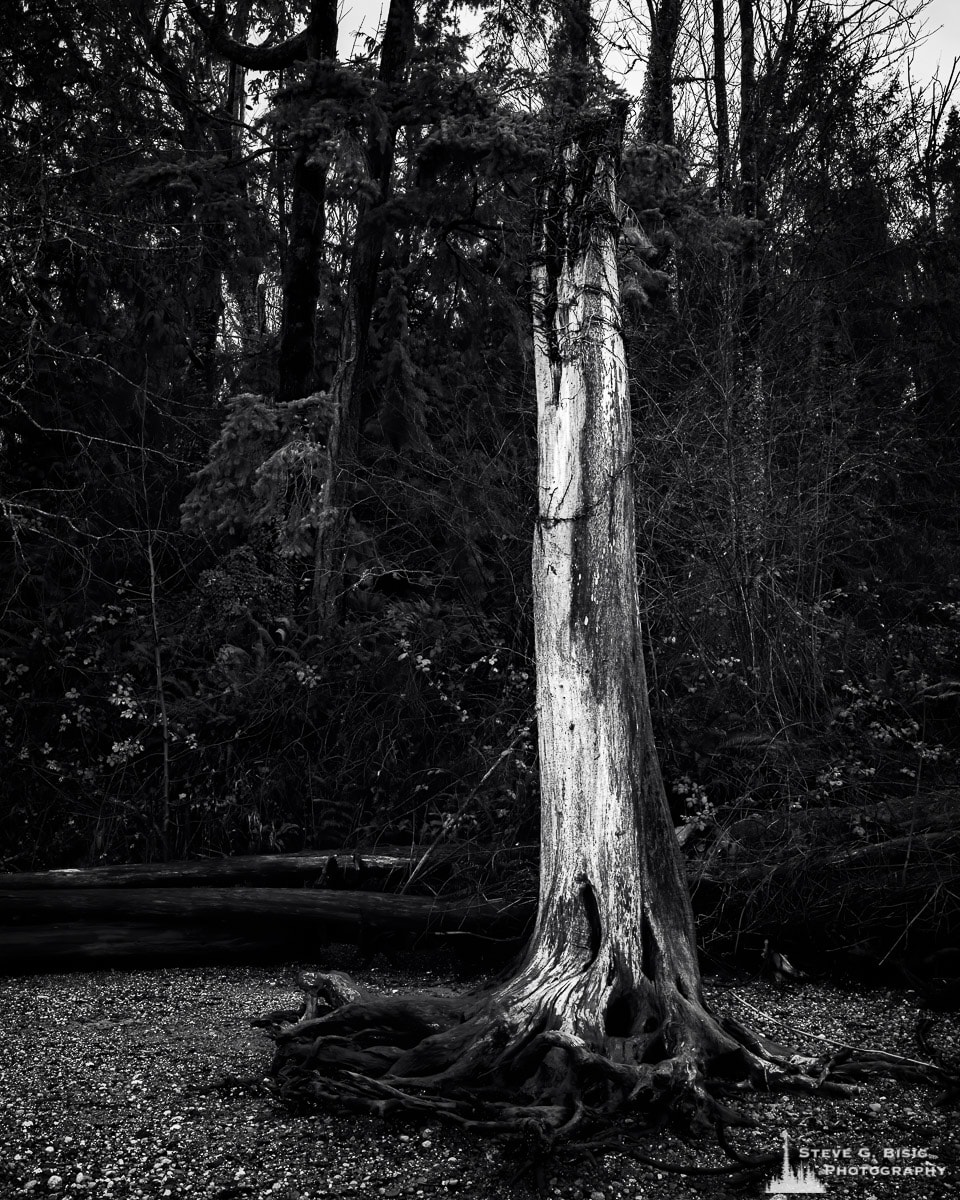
(612, 960)
(301, 281)
(344, 431)
(305, 238)
(722, 110)
(606, 1008)
(747, 414)
(656, 110)
(381, 869)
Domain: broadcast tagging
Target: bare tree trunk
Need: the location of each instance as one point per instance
(656, 110)
(302, 282)
(747, 420)
(304, 246)
(612, 958)
(722, 108)
(344, 431)
(606, 1008)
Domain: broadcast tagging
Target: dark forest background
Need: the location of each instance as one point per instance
(188, 232)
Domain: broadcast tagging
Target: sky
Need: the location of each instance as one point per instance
(941, 21)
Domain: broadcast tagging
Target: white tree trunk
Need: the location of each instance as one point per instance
(613, 953)
(606, 1008)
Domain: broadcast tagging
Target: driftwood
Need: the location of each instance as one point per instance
(46, 928)
(378, 869)
(879, 884)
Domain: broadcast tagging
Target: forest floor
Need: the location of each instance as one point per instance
(105, 1091)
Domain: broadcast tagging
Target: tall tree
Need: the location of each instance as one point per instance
(371, 229)
(722, 112)
(656, 109)
(746, 417)
(316, 43)
(327, 458)
(606, 1007)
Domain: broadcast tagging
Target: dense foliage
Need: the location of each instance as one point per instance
(191, 229)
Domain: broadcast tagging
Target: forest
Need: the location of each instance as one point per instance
(276, 318)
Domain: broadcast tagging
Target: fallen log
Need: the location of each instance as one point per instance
(380, 869)
(49, 928)
(266, 870)
(343, 911)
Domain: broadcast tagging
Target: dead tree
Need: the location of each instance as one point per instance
(606, 1008)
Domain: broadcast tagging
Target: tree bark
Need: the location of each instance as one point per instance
(606, 1008)
(722, 109)
(747, 413)
(305, 237)
(344, 431)
(656, 111)
(612, 957)
(367, 870)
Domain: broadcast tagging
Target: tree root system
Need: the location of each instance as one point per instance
(507, 1061)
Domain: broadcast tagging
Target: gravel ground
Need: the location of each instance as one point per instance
(101, 1078)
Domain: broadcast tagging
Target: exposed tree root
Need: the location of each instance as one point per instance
(507, 1061)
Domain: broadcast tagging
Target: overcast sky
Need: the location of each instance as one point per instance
(943, 45)
(942, 22)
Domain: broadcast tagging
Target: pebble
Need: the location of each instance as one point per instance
(215, 1131)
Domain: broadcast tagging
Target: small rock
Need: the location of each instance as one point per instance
(55, 1182)
(875, 1107)
(426, 1144)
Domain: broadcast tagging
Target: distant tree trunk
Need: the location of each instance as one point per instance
(304, 243)
(200, 135)
(656, 110)
(747, 418)
(749, 184)
(344, 431)
(304, 259)
(302, 282)
(722, 109)
(242, 279)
